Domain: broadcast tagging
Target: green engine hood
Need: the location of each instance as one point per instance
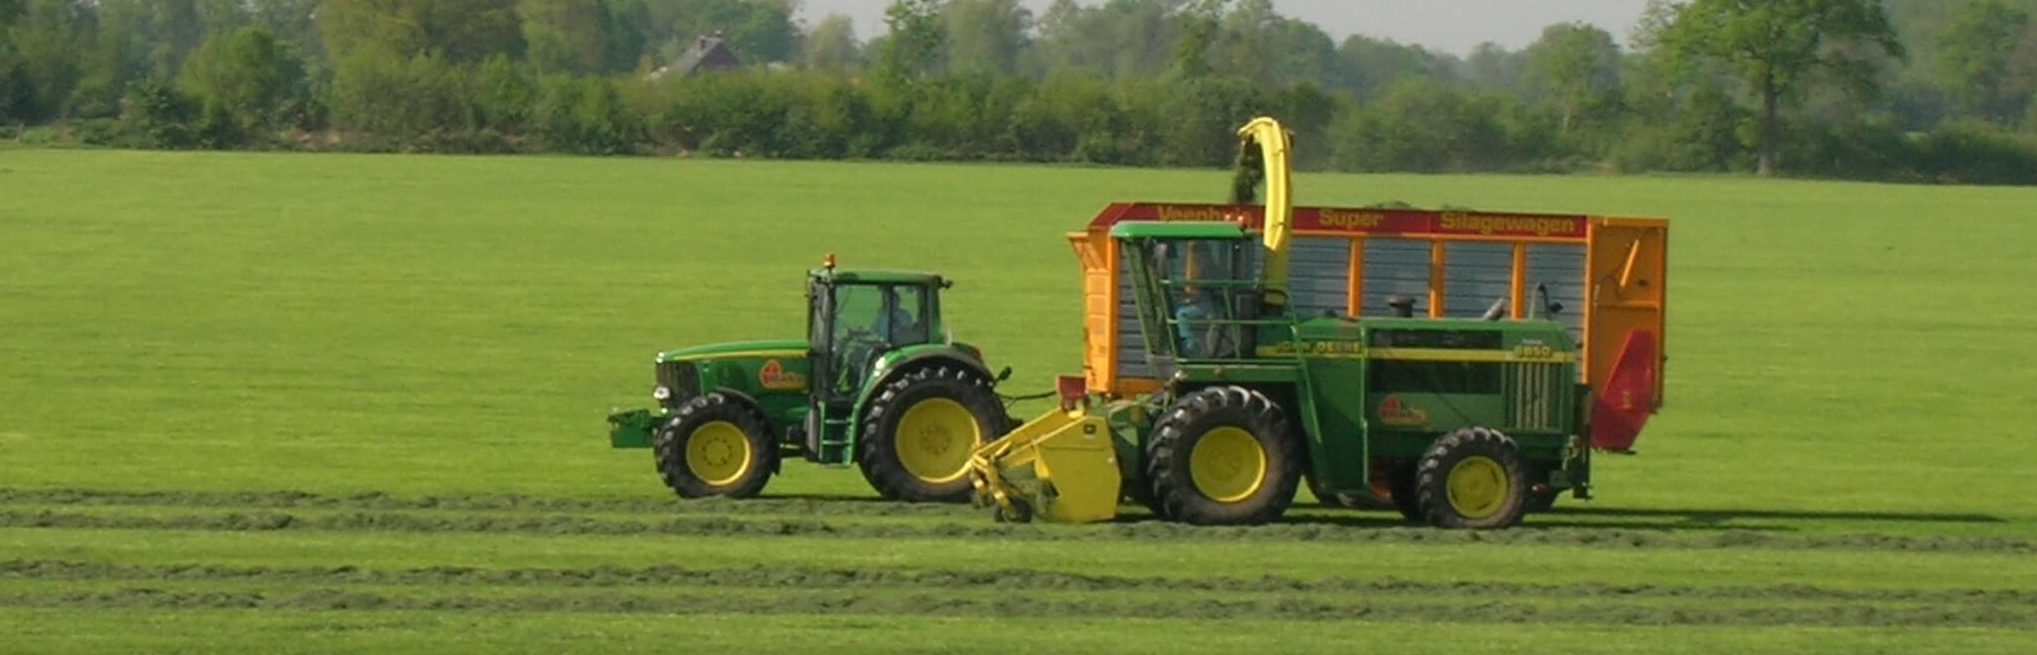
(737, 349)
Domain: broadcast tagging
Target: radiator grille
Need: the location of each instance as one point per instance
(1533, 392)
(683, 378)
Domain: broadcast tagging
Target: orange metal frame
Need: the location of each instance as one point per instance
(1626, 269)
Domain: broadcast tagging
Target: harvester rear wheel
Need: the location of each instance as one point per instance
(1473, 478)
(715, 446)
(921, 429)
(1223, 456)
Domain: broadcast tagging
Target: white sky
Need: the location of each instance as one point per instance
(1454, 26)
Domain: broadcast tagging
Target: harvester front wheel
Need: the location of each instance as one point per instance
(921, 429)
(715, 446)
(1223, 456)
(1473, 478)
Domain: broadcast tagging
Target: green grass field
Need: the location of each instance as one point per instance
(296, 403)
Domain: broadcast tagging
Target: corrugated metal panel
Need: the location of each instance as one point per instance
(1475, 275)
(1395, 267)
(1131, 355)
(1561, 267)
(1319, 275)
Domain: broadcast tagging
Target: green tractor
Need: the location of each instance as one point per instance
(1470, 422)
(878, 383)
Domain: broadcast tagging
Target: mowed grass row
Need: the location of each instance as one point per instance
(95, 631)
(1560, 529)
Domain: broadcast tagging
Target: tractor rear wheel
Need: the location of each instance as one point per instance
(715, 446)
(1223, 456)
(1473, 478)
(921, 429)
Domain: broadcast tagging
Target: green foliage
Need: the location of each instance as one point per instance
(758, 31)
(245, 80)
(454, 31)
(911, 49)
(582, 115)
(832, 46)
(1576, 66)
(1135, 82)
(1424, 127)
(1780, 49)
(1975, 55)
(567, 36)
(158, 115)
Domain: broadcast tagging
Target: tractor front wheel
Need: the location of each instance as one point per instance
(715, 446)
(1473, 478)
(921, 429)
(1223, 456)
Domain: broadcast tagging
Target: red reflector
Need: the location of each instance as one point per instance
(1073, 389)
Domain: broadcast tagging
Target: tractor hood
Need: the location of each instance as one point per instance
(737, 349)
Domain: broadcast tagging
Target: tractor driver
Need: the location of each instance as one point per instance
(896, 324)
(1195, 306)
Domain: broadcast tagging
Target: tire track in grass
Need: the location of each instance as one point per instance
(453, 522)
(936, 604)
(1013, 579)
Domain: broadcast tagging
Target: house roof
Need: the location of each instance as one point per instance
(707, 53)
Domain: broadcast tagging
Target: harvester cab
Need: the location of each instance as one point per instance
(1460, 420)
(879, 383)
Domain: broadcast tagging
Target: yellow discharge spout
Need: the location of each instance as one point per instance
(1274, 143)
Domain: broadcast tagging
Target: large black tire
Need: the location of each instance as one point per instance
(715, 445)
(1484, 468)
(1271, 455)
(927, 459)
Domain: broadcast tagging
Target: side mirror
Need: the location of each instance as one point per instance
(1004, 374)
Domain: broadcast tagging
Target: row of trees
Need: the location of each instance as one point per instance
(1915, 89)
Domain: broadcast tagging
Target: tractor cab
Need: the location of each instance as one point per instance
(856, 316)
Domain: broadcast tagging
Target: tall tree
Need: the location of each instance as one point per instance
(1778, 48)
(460, 31)
(832, 45)
(1974, 58)
(246, 75)
(566, 36)
(913, 47)
(1573, 65)
(987, 35)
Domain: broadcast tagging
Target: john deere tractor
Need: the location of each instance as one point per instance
(1468, 420)
(877, 383)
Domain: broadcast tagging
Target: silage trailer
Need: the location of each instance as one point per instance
(1464, 365)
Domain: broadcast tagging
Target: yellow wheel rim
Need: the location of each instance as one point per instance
(1478, 487)
(1227, 465)
(935, 438)
(719, 453)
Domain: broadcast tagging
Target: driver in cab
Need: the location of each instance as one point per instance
(897, 325)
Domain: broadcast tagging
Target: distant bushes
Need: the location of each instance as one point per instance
(243, 90)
